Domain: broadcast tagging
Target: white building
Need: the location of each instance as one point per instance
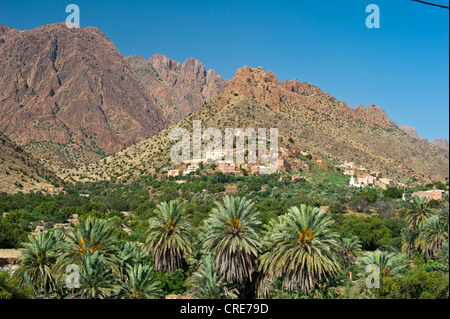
(190, 169)
(353, 184)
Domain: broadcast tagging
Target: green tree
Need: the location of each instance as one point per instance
(443, 253)
(417, 284)
(372, 231)
(11, 288)
(417, 216)
(230, 234)
(173, 283)
(393, 192)
(301, 248)
(169, 240)
(409, 236)
(432, 236)
(129, 254)
(96, 278)
(348, 249)
(389, 264)
(140, 283)
(208, 283)
(38, 259)
(90, 236)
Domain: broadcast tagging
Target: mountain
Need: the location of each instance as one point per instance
(20, 172)
(411, 131)
(440, 142)
(178, 89)
(307, 119)
(68, 96)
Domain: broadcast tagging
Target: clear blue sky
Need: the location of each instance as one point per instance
(403, 66)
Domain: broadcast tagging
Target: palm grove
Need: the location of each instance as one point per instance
(236, 252)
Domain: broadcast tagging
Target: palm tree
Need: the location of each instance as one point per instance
(37, 260)
(140, 283)
(90, 236)
(409, 236)
(444, 216)
(96, 279)
(230, 234)
(129, 253)
(389, 265)
(348, 249)
(169, 239)
(418, 215)
(446, 198)
(432, 236)
(209, 284)
(443, 253)
(302, 248)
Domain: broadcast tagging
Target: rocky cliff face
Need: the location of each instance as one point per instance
(179, 89)
(265, 89)
(69, 96)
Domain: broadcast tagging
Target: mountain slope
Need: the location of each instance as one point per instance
(440, 142)
(177, 89)
(411, 131)
(305, 115)
(20, 172)
(69, 96)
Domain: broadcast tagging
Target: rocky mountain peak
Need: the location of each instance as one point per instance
(70, 91)
(266, 89)
(372, 115)
(179, 89)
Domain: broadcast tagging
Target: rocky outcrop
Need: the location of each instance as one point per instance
(440, 142)
(372, 115)
(178, 89)
(69, 95)
(411, 131)
(4, 29)
(265, 89)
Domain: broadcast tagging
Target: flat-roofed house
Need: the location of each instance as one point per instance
(227, 167)
(431, 194)
(367, 180)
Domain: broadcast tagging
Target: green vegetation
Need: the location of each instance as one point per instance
(266, 236)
